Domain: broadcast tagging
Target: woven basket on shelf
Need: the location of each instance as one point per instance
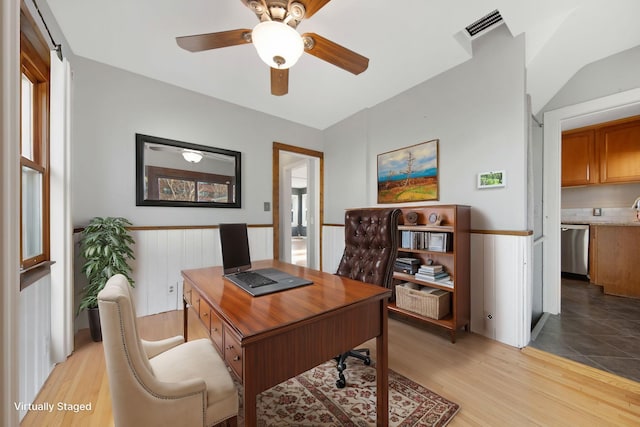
(434, 304)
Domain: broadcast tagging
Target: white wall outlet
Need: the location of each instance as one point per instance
(597, 211)
(172, 288)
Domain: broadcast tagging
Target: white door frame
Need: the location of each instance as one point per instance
(285, 207)
(315, 174)
(620, 104)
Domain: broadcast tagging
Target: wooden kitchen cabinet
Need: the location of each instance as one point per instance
(579, 163)
(619, 147)
(602, 154)
(614, 255)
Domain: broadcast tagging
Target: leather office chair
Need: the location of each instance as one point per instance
(166, 382)
(371, 247)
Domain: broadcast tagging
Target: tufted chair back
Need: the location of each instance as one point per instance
(371, 245)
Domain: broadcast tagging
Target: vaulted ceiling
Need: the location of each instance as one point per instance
(406, 41)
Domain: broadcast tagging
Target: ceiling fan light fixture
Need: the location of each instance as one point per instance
(192, 156)
(278, 45)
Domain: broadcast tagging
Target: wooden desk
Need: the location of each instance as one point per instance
(271, 338)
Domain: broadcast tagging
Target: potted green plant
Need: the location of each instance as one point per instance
(106, 245)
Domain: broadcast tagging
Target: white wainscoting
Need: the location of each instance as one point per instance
(160, 256)
(332, 247)
(34, 345)
(501, 287)
(500, 273)
(500, 282)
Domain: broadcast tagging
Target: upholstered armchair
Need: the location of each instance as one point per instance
(371, 247)
(161, 383)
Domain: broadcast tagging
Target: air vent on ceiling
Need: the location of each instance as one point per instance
(483, 23)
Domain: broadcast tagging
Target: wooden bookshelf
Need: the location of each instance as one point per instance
(455, 220)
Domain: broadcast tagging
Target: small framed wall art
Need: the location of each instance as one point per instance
(492, 179)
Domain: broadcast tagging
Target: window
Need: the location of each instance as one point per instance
(187, 186)
(34, 156)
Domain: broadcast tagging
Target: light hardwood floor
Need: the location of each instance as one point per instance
(494, 384)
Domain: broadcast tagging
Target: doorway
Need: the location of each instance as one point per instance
(563, 335)
(297, 205)
(598, 110)
(299, 208)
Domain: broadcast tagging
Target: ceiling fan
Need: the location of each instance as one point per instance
(278, 43)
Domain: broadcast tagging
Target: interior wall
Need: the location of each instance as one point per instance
(613, 74)
(161, 255)
(479, 113)
(476, 110)
(346, 153)
(111, 105)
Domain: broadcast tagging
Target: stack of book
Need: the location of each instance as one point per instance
(407, 265)
(432, 273)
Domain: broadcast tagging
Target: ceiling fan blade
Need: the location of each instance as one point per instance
(279, 81)
(313, 6)
(202, 42)
(335, 54)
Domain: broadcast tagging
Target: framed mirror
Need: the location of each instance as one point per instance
(175, 173)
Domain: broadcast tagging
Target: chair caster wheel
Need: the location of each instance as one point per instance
(341, 383)
(367, 361)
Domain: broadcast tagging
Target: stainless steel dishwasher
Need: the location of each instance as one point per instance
(574, 249)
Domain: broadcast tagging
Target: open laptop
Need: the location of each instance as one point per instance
(236, 264)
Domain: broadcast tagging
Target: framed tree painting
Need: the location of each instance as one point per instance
(409, 174)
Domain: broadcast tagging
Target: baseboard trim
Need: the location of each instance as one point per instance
(538, 328)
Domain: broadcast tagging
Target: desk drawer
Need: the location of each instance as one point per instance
(195, 301)
(205, 314)
(233, 352)
(215, 330)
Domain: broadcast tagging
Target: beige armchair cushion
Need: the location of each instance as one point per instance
(154, 348)
(164, 383)
(185, 361)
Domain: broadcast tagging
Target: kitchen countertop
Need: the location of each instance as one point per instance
(605, 223)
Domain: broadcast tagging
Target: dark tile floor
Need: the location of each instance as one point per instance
(595, 329)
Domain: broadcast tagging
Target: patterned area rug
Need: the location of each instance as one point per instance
(312, 399)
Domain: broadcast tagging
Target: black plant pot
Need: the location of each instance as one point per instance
(94, 324)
